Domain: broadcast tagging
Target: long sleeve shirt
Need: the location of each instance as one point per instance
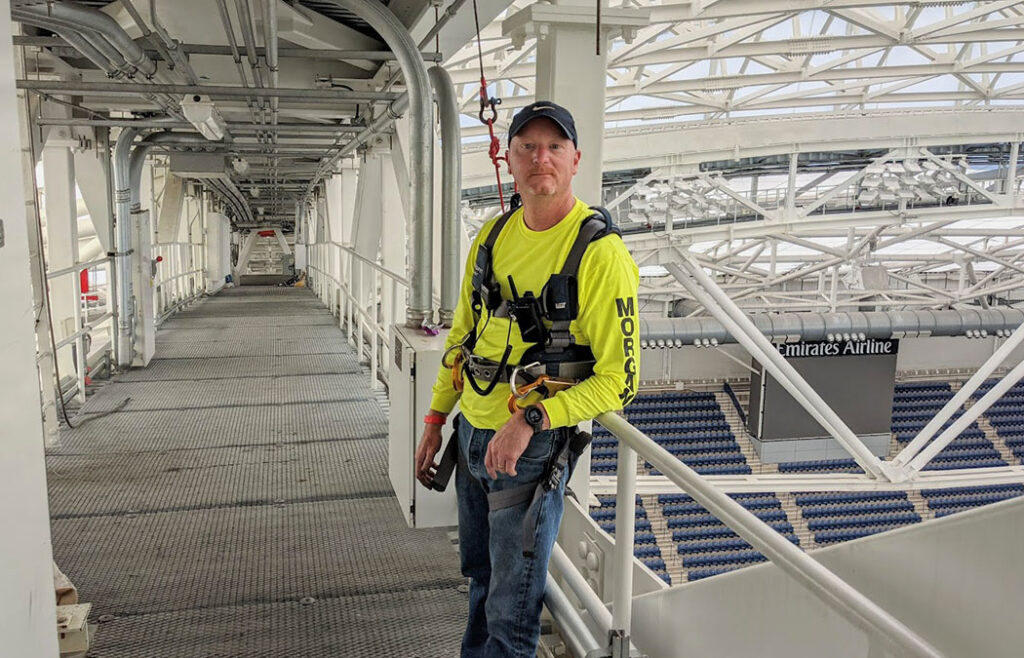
(607, 321)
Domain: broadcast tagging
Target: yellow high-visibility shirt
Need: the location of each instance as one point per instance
(607, 321)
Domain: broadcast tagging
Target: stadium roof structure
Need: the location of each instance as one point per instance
(816, 156)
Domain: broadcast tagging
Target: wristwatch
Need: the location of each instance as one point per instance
(534, 416)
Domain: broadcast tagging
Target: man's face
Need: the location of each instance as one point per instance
(542, 159)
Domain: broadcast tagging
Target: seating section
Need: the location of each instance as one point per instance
(645, 544)
(690, 425)
(1006, 416)
(916, 403)
(708, 547)
(836, 517)
(944, 502)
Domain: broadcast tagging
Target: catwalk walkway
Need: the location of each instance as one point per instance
(238, 503)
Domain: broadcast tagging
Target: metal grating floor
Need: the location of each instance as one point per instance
(239, 503)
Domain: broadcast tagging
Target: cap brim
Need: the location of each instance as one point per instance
(546, 114)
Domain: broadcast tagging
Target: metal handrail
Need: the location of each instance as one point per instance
(375, 265)
(53, 274)
(178, 276)
(827, 586)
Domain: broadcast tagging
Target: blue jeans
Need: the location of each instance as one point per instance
(506, 589)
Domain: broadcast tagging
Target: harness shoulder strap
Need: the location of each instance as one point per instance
(594, 227)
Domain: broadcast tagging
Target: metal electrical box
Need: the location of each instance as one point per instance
(415, 359)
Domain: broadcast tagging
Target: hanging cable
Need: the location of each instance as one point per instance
(486, 101)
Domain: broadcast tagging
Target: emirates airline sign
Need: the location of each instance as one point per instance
(870, 347)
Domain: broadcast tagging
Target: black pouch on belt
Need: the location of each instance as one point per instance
(449, 459)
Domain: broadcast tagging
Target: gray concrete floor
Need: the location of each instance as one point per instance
(232, 499)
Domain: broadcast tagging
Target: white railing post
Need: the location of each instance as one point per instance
(80, 356)
(625, 516)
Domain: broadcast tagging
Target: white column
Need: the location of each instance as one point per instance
(572, 74)
(218, 250)
(28, 617)
(62, 241)
(31, 151)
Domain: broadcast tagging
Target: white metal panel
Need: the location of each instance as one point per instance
(957, 581)
(416, 358)
(28, 618)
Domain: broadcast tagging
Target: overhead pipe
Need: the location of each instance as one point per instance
(146, 32)
(451, 187)
(421, 147)
(249, 39)
(442, 20)
(92, 45)
(229, 31)
(270, 43)
(681, 332)
(75, 40)
(88, 18)
(225, 91)
(122, 197)
(177, 57)
(105, 36)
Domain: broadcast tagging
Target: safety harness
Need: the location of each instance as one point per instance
(553, 363)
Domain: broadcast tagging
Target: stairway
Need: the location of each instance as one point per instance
(673, 561)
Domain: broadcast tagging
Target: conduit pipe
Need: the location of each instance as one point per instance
(75, 40)
(86, 18)
(451, 186)
(103, 35)
(270, 43)
(122, 196)
(229, 30)
(249, 39)
(681, 332)
(449, 13)
(421, 147)
(97, 49)
(177, 57)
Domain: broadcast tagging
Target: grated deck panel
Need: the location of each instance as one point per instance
(247, 471)
(257, 347)
(205, 478)
(244, 366)
(239, 426)
(145, 563)
(207, 393)
(378, 625)
(245, 333)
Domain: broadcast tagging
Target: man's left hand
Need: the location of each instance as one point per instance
(508, 444)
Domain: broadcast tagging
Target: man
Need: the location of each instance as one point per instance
(499, 450)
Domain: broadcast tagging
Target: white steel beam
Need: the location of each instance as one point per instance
(740, 326)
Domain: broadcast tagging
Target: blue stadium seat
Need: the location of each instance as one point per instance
(731, 557)
(700, 574)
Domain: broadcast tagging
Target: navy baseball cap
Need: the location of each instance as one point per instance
(556, 113)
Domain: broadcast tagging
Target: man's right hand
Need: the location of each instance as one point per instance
(430, 445)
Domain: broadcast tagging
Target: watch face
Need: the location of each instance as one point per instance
(534, 416)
